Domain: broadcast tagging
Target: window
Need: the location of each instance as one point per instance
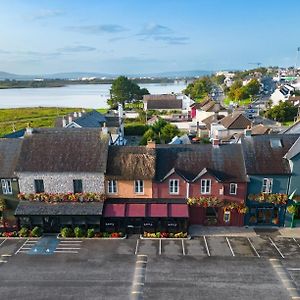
(267, 185)
(39, 185)
(77, 185)
(6, 186)
(174, 186)
(205, 186)
(233, 189)
(112, 186)
(226, 216)
(139, 186)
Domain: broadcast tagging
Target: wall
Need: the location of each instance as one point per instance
(125, 189)
(61, 182)
(201, 115)
(295, 178)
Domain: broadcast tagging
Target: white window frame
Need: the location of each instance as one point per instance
(227, 216)
(174, 186)
(205, 186)
(235, 186)
(139, 186)
(6, 186)
(112, 187)
(267, 185)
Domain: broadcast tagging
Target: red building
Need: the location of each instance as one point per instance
(211, 178)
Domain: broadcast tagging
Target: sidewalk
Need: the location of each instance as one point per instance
(290, 232)
(199, 230)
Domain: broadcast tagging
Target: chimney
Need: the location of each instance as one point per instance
(79, 114)
(64, 122)
(28, 130)
(70, 119)
(104, 129)
(247, 132)
(151, 144)
(215, 142)
(75, 114)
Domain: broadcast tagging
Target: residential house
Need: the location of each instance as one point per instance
(207, 177)
(56, 166)
(282, 93)
(269, 173)
(209, 109)
(293, 129)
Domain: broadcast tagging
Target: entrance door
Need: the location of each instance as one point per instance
(51, 224)
(134, 226)
(264, 216)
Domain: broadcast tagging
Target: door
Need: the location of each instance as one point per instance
(51, 224)
(264, 216)
(134, 226)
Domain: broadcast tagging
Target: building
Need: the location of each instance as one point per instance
(61, 178)
(282, 93)
(269, 173)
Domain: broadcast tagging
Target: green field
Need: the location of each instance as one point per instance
(18, 118)
(244, 102)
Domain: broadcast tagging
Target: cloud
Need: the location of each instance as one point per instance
(46, 14)
(4, 52)
(97, 29)
(173, 40)
(79, 48)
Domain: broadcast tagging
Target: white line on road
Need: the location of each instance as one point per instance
(293, 269)
(63, 251)
(206, 246)
(2, 242)
(136, 247)
(69, 248)
(183, 249)
(71, 241)
(229, 245)
(293, 240)
(159, 247)
(6, 255)
(21, 247)
(252, 246)
(272, 242)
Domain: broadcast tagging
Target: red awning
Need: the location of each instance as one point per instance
(114, 210)
(158, 210)
(136, 210)
(178, 210)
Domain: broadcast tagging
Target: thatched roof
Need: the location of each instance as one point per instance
(130, 162)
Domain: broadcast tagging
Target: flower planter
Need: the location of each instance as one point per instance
(161, 238)
(93, 238)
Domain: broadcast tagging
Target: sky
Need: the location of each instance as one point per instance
(141, 36)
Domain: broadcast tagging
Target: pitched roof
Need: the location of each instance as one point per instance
(9, 154)
(212, 119)
(166, 97)
(35, 208)
(130, 162)
(64, 150)
(16, 134)
(294, 150)
(198, 105)
(164, 104)
(295, 128)
(236, 121)
(92, 119)
(264, 154)
(189, 160)
(260, 129)
(212, 106)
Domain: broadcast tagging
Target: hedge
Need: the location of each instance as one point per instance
(135, 129)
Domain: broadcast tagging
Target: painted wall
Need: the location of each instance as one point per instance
(125, 189)
(295, 178)
(61, 182)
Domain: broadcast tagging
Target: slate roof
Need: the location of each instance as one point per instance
(164, 104)
(17, 134)
(35, 208)
(236, 121)
(63, 150)
(212, 119)
(92, 119)
(130, 162)
(165, 97)
(294, 150)
(189, 160)
(212, 106)
(260, 129)
(9, 154)
(263, 159)
(295, 128)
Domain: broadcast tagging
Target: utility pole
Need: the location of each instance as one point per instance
(296, 62)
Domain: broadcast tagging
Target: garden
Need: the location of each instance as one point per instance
(79, 232)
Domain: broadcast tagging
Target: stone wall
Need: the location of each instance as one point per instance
(61, 182)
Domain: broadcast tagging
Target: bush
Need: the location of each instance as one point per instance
(67, 232)
(36, 231)
(90, 233)
(79, 232)
(23, 232)
(135, 129)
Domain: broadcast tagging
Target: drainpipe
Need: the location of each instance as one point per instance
(187, 190)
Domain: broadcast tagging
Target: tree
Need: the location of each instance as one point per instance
(123, 90)
(150, 134)
(220, 79)
(199, 88)
(168, 132)
(158, 125)
(283, 112)
(252, 88)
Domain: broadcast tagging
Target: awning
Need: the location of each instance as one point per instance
(136, 210)
(158, 210)
(114, 210)
(178, 210)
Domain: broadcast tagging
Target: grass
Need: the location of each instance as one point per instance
(36, 116)
(288, 123)
(244, 102)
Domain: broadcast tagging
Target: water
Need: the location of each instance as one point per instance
(82, 95)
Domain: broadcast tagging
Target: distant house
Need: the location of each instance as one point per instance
(208, 109)
(167, 102)
(295, 128)
(282, 93)
(260, 129)
(181, 140)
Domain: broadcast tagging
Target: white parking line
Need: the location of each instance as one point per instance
(72, 241)
(206, 246)
(63, 248)
(136, 247)
(183, 249)
(21, 247)
(293, 269)
(293, 240)
(229, 245)
(272, 242)
(64, 251)
(252, 246)
(159, 247)
(2, 242)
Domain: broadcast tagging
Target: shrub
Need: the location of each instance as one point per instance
(66, 232)
(23, 232)
(135, 129)
(36, 231)
(91, 233)
(79, 232)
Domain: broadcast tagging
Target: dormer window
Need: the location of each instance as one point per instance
(276, 143)
(174, 186)
(267, 185)
(112, 186)
(205, 186)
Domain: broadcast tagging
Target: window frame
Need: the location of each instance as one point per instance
(173, 186)
(203, 187)
(227, 216)
(112, 186)
(6, 186)
(235, 188)
(267, 185)
(75, 186)
(139, 187)
(37, 185)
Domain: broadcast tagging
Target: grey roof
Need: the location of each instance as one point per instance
(294, 150)
(92, 119)
(17, 134)
(9, 154)
(225, 162)
(35, 208)
(64, 150)
(262, 158)
(295, 128)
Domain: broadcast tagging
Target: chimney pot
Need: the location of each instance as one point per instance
(151, 144)
(70, 119)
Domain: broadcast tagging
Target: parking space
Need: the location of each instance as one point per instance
(10, 246)
(242, 247)
(289, 247)
(195, 247)
(265, 247)
(149, 247)
(218, 246)
(173, 247)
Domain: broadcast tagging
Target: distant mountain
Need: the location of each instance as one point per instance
(77, 75)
